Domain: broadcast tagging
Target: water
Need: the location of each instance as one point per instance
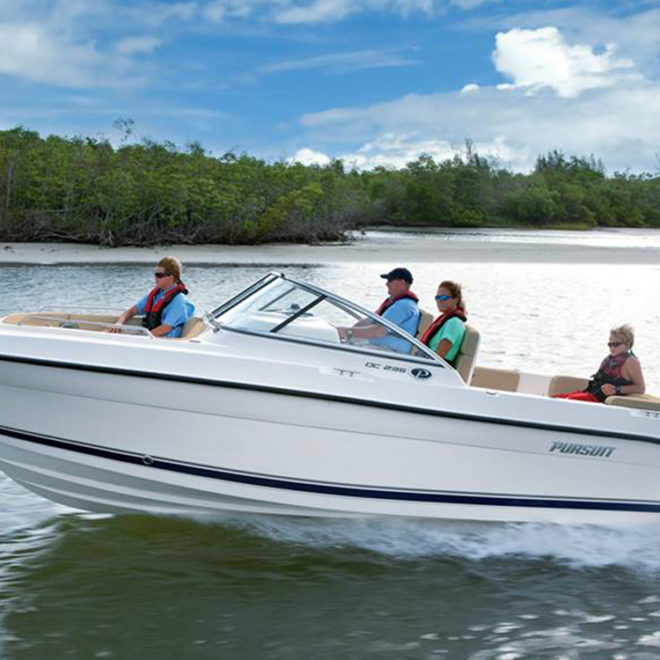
(88, 586)
(637, 238)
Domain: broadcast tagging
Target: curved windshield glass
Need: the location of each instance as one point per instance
(286, 308)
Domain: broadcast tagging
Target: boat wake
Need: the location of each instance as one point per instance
(580, 546)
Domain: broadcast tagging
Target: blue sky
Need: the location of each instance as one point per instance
(375, 82)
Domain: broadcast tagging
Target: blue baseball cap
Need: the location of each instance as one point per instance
(398, 274)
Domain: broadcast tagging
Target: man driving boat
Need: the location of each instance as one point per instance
(400, 307)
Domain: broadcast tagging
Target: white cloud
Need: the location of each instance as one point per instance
(132, 45)
(155, 14)
(310, 157)
(397, 150)
(469, 88)
(82, 43)
(30, 51)
(469, 4)
(617, 123)
(637, 35)
(327, 11)
(540, 58)
(320, 11)
(342, 62)
(220, 10)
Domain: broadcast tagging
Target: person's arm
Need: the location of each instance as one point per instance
(124, 317)
(361, 331)
(449, 334)
(174, 316)
(444, 347)
(370, 331)
(632, 371)
(161, 330)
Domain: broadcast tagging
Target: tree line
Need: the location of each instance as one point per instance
(83, 189)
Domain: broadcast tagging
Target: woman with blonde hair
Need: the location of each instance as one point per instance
(445, 334)
(166, 308)
(619, 373)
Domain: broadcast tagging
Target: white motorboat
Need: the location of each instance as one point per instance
(259, 407)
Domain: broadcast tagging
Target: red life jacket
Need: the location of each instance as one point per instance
(608, 372)
(435, 327)
(388, 302)
(153, 311)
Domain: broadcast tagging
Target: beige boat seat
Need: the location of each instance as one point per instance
(564, 384)
(193, 326)
(643, 401)
(491, 378)
(425, 320)
(466, 359)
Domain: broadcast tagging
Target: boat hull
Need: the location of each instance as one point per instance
(120, 443)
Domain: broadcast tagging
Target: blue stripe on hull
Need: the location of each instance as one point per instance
(481, 499)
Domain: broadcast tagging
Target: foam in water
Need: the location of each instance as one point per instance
(578, 546)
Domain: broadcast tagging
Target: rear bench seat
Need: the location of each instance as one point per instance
(561, 384)
(643, 401)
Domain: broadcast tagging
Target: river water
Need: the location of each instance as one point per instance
(79, 585)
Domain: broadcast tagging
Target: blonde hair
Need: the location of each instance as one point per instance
(624, 332)
(456, 291)
(171, 266)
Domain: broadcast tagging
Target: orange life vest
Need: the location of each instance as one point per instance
(388, 302)
(153, 311)
(435, 327)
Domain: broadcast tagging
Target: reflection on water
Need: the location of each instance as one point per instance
(121, 587)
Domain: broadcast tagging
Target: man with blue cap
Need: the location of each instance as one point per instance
(400, 307)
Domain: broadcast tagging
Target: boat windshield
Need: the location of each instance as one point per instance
(290, 309)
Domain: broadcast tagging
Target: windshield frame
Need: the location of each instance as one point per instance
(344, 304)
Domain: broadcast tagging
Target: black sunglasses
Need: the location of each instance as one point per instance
(159, 275)
(615, 344)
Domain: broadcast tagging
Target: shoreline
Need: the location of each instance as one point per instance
(368, 249)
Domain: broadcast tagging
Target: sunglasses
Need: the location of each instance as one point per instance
(443, 298)
(615, 344)
(159, 275)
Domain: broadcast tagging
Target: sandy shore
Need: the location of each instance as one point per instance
(371, 249)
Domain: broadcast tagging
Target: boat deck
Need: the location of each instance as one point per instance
(95, 322)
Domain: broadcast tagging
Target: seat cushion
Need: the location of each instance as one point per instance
(425, 320)
(193, 326)
(489, 378)
(643, 401)
(467, 355)
(564, 384)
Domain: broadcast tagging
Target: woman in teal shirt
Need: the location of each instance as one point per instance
(445, 334)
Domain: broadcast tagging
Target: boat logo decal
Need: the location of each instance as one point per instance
(417, 372)
(582, 450)
(392, 368)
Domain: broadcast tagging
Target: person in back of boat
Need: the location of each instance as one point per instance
(445, 335)
(619, 373)
(166, 308)
(401, 307)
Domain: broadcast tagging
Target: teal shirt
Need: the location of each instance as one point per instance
(454, 331)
